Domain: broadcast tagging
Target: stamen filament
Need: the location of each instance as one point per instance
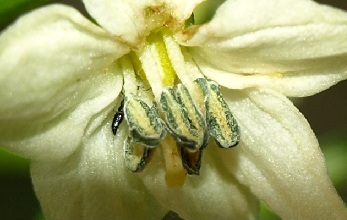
(185, 70)
(149, 58)
(156, 64)
(168, 71)
(138, 67)
(130, 82)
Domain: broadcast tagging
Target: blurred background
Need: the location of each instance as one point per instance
(326, 112)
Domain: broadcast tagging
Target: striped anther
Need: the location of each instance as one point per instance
(222, 124)
(184, 121)
(200, 95)
(144, 122)
(191, 161)
(136, 156)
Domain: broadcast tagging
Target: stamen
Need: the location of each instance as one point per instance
(193, 110)
(145, 126)
(181, 62)
(136, 156)
(222, 124)
(168, 74)
(200, 96)
(144, 123)
(186, 70)
(185, 123)
(138, 67)
(156, 64)
(130, 81)
(191, 160)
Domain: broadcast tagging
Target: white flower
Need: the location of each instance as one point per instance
(61, 80)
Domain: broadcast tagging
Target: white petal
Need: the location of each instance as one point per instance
(182, 9)
(214, 194)
(93, 183)
(126, 19)
(296, 84)
(279, 157)
(297, 47)
(133, 20)
(53, 79)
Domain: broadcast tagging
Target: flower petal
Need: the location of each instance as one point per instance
(93, 182)
(53, 79)
(133, 20)
(296, 47)
(182, 9)
(214, 194)
(279, 157)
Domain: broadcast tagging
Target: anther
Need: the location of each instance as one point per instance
(144, 122)
(136, 155)
(222, 124)
(185, 123)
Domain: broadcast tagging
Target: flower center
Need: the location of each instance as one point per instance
(180, 102)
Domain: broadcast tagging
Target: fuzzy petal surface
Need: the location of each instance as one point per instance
(279, 157)
(295, 47)
(55, 75)
(133, 20)
(93, 182)
(214, 194)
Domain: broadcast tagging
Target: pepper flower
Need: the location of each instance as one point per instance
(115, 114)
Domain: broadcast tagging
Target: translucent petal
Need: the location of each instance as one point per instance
(214, 194)
(279, 157)
(268, 43)
(93, 182)
(55, 75)
(132, 20)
